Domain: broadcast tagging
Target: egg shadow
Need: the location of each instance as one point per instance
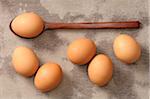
(63, 91)
(143, 62)
(121, 85)
(142, 66)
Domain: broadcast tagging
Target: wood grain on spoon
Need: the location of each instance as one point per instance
(95, 25)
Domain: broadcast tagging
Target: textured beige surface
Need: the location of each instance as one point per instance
(129, 81)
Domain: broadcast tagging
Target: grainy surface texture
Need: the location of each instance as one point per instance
(128, 82)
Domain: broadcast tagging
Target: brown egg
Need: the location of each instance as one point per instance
(25, 61)
(100, 70)
(81, 51)
(48, 77)
(126, 48)
(28, 25)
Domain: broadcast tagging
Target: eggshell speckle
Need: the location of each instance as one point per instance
(25, 61)
(48, 77)
(100, 70)
(81, 51)
(27, 25)
(126, 48)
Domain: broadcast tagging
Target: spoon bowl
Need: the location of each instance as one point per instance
(22, 36)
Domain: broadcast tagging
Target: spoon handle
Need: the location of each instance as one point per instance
(95, 25)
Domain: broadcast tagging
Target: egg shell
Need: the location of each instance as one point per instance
(126, 48)
(27, 25)
(48, 77)
(100, 70)
(81, 51)
(25, 61)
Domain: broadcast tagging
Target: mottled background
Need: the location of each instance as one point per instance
(129, 81)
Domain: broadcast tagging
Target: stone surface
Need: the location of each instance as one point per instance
(128, 82)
